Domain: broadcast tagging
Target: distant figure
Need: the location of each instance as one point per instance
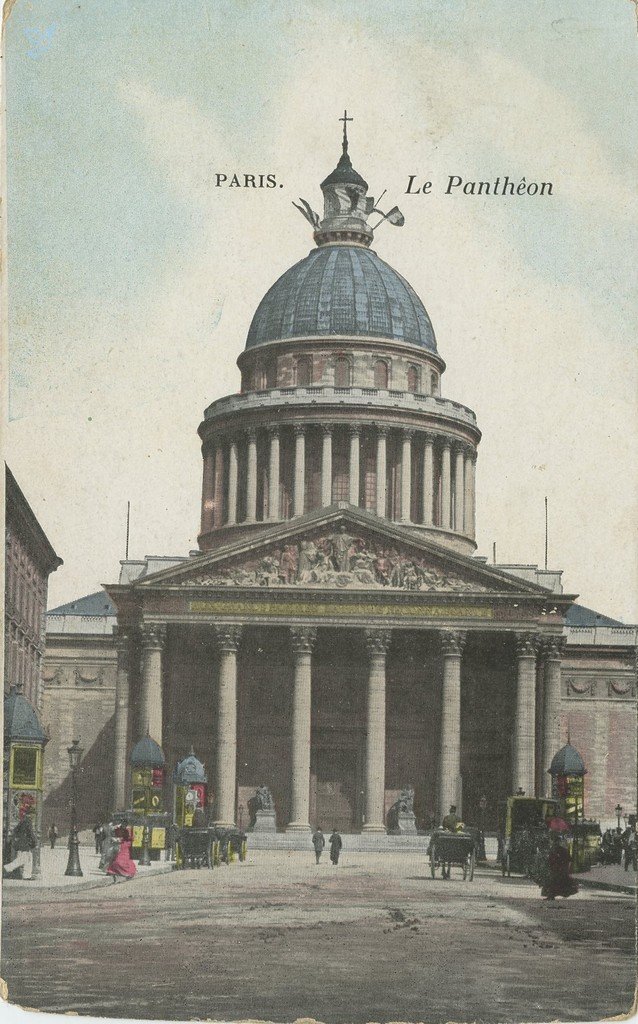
(319, 842)
(24, 843)
(53, 835)
(450, 820)
(121, 865)
(109, 846)
(99, 833)
(558, 880)
(336, 843)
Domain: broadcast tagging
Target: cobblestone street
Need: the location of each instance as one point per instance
(277, 938)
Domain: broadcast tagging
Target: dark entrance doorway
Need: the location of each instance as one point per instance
(334, 789)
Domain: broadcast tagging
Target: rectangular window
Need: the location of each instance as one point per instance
(25, 768)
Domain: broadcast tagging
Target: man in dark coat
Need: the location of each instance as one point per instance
(336, 843)
(24, 843)
(319, 842)
(451, 819)
(53, 835)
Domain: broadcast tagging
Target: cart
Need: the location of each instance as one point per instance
(523, 833)
(198, 847)
(448, 848)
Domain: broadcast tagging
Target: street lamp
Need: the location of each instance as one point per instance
(618, 810)
(73, 868)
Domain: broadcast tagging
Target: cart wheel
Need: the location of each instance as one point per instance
(244, 850)
(503, 864)
(432, 864)
(472, 864)
(466, 864)
(508, 864)
(216, 854)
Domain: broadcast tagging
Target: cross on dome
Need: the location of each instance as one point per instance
(345, 120)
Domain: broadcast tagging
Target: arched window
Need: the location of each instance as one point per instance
(304, 371)
(380, 374)
(413, 378)
(434, 381)
(342, 372)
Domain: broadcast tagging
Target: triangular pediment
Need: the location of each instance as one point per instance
(343, 549)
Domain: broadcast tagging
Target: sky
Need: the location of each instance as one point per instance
(132, 279)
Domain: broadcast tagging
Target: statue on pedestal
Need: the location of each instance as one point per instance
(262, 810)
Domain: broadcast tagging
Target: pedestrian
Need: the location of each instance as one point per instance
(53, 834)
(99, 833)
(319, 842)
(558, 881)
(336, 843)
(24, 843)
(451, 820)
(109, 846)
(121, 865)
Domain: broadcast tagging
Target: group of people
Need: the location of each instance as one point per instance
(319, 843)
(619, 847)
(113, 843)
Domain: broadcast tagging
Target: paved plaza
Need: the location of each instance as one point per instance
(278, 938)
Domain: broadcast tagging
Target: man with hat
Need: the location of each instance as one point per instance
(451, 820)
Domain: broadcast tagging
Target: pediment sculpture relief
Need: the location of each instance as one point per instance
(339, 559)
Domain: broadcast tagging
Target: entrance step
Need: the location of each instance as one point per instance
(353, 843)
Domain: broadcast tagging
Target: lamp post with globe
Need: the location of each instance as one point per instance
(75, 752)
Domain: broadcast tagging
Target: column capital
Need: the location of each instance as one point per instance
(452, 641)
(378, 641)
(446, 442)
(326, 429)
(408, 433)
(251, 433)
(428, 436)
(355, 429)
(153, 636)
(470, 451)
(382, 430)
(552, 647)
(299, 429)
(274, 431)
(122, 639)
(527, 645)
(303, 639)
(228, 637)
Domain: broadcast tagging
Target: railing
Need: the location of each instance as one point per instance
(603, 636)
(373, 397)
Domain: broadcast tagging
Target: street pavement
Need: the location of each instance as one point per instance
(278, 938)
(53, 865)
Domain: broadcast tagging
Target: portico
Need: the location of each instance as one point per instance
(403, 682)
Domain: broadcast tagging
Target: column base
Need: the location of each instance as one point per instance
(381, 829)
(298, 826)
(225, 824)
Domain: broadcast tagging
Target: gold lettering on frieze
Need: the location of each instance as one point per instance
(328, 608)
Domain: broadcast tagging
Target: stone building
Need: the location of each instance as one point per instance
(29, 561)
(335, 637)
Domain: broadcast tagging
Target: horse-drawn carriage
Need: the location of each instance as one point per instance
(523, 833)
(448, 848)
(209, 847)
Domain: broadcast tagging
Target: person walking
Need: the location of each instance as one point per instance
(336, 843)
(53, 834)
(24, 843)
(122, 866)
(98, 832)
(319, 842)
(558, 881)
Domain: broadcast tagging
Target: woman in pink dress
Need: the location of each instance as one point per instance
(122, 866)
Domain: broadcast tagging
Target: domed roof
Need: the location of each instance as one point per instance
(190, 770)
(21, 721)
(567, 762)
(341, 289)
(147, 754)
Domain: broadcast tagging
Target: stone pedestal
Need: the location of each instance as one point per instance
(406, 824)
(264, 821)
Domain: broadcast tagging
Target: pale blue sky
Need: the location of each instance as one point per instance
(132, 280)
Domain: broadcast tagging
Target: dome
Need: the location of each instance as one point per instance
(147, 754)
(21, 721)
(190, 770)
(567, 762)
(341, 290)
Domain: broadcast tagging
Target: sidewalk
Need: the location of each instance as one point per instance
(612, 877)
(53, 865)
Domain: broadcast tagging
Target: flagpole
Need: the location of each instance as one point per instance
(128, 523)
(546, 531)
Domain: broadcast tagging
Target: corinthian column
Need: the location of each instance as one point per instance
(459, 487)
(251, 478)
(153, 639)
(470, 462)
(552, 649)
(378, 642)
(122, 646)
(326, 466)
(300, 470)
(452, 642)
(382, 435)
(273, 475)
(355, 440)
(428, 479)
(208, 490)
(406, 475)
(232, 484)
(523, 769)
(303, 639)
(446, 487)
(228, 638)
